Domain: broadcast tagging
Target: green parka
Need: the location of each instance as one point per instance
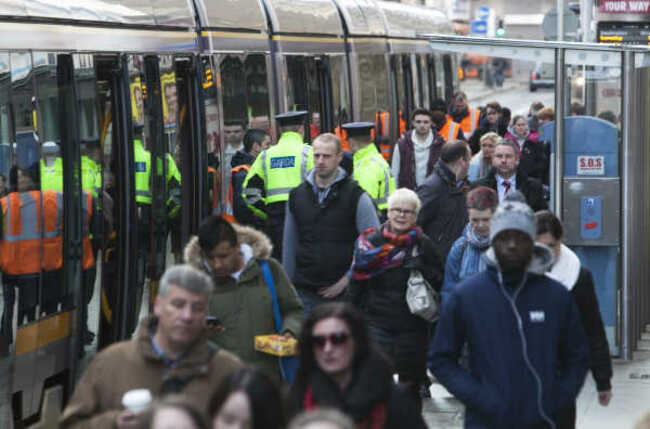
(245, 308)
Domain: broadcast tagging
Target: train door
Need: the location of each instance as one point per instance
(240, 106)
(309, 88)
(424, 78)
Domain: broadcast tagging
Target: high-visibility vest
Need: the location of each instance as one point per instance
(382, 125)
(340, 133)
(372, 173)
(88, 260)
(89, 176)
(229, 211)
(450, 130)
(52, 176)
(142, 158)
(25, 248)
(470, 122)
(281, 167)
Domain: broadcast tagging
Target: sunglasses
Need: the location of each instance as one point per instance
(337, 339)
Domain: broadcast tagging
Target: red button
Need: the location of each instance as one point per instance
(591, 225)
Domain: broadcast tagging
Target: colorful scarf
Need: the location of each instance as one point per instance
(371, 261)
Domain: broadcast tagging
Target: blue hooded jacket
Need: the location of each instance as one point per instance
(528, 354)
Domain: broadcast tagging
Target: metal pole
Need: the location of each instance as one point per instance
(560, 20)
(627, 198)
(586, 16)
(558, 139)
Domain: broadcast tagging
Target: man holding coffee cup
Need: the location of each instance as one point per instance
(170, 354)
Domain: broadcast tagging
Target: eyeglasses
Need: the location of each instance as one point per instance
(337, 339)
(402, 211)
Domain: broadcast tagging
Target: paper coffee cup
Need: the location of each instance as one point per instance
(137, 400)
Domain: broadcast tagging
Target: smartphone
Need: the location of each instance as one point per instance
(212, 321)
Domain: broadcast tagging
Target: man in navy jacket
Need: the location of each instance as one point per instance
(528, 355)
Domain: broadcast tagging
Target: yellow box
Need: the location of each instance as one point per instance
(276, 345)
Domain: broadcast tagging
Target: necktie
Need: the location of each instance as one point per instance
(506, 185)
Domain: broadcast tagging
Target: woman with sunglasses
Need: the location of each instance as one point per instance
(383, 261)
(340, 369)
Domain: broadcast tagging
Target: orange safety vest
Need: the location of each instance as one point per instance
(313, 131)
(382, 121)
(402, 123)
(88, 260)
(216, 189)
(23, 240)
(450, 130)
(340, 133)
(470, 122)
(229, 212)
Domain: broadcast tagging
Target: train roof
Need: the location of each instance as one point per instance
(305, 17)
(363, 17)
(409, 21)
(232, 15)
(160, 13)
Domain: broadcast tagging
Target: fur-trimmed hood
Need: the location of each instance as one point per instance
(257, 240)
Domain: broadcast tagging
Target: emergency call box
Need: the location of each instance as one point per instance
(592, 211)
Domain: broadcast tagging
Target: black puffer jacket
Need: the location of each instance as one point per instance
(444, 211)
(371, 386)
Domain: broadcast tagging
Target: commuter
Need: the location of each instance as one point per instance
(545, 115)
(461, 113)
(170, 354)
(528, 353)
(465, 257)
(325, 215)
(532, 156)
(314, 127)
(505, 176)
(416, 152)
(234, 256)
(176, 412)
(383, 261)
(531, 117)
(371, 171)
(321, 418)
(499, 66)
(568, 270)
(481, 162)
(233, 133)
(30, 260)
(444, 212)
(577, 109)
(446, 127)
(609, 116)
(255, 141)
(340, 369)
(276, 172)
(51, 167)
(247, 398)
(492, 122)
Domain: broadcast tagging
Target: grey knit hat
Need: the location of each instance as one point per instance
(513, 213)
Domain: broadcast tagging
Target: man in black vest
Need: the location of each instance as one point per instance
(324, 217)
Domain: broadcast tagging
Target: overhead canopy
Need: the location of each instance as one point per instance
(232, 14)
(305, 17)
(362, 17)
(135, 12)
(410, 21)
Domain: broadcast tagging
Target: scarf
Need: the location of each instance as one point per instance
(471, 262)
(371, 261)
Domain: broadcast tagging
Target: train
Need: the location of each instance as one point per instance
(95, 76)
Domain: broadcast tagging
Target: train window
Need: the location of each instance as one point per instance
(340, 94)
(215, 192)
(423, 80)
(439, 77)
(373, 80)
(257, 92)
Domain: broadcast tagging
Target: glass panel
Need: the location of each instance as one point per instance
(439, 76)
(402, 92)
(423, 78)
(340, 94)
(373, 79)
(257, 92)
(297, 95)
(314, 97)
(215, 192)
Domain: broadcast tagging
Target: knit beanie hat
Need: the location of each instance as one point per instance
(513, 213)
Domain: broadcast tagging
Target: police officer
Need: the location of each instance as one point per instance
(371, 170)
(51, 167)
(275, 172)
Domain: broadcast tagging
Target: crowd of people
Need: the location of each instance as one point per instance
(317, 246)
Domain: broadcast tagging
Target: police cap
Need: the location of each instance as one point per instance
(358, 129)
(291, 118)
(50, 148)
